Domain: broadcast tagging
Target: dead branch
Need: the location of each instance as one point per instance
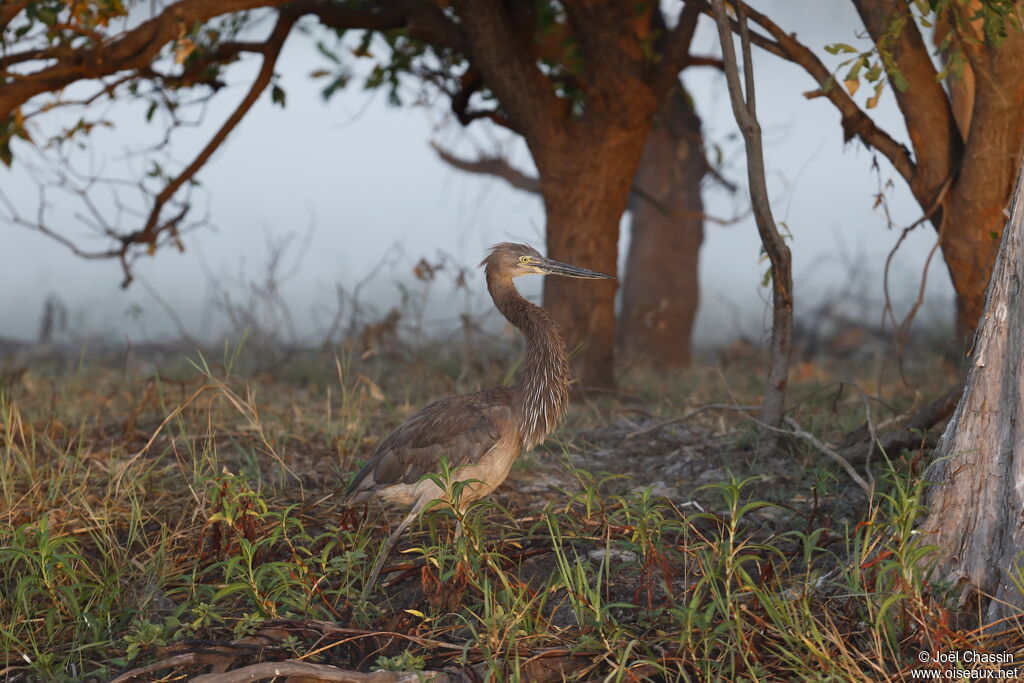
(490, 165)
(902, 329)
(693, 413)
(857, 446)
(829, 452)
(316, 672)
(499, 167)
(189, 659)
(745, 110)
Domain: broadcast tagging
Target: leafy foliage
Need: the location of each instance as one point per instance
(876, 65)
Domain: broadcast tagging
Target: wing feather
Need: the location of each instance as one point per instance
(459, 428)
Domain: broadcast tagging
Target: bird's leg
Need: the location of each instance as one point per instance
(386, 550)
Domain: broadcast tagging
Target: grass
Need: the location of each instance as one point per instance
(189, 518)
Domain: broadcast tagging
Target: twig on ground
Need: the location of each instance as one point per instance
(187, 659)
(821, 446)
(910, 435)
(693, 413)
(316, 672)
(795, 430)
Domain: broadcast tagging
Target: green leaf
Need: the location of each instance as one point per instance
(277, 95)
(836, 48)
(899, 81)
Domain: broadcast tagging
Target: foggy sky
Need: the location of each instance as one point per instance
(351, 179)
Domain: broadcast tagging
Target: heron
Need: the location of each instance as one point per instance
(479, 434)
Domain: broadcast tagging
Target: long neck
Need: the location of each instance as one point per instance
(543, 391)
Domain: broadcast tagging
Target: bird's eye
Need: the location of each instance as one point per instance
(524, 259)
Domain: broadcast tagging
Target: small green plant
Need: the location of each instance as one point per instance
(142, 636)
(403, 661)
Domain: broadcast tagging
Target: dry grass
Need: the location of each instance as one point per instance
(159, 524)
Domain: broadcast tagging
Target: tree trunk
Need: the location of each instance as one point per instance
(974, 208)
(975, 508)
(660, 289)
(585, 186)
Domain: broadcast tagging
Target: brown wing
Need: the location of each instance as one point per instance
(459, 428)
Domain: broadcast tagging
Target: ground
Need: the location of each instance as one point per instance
(168, 515)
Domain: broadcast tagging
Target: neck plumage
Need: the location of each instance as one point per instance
(543, 392)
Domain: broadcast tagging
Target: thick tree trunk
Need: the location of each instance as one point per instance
(974, 208)
(660, 290)
(976, 508)
(585, 186)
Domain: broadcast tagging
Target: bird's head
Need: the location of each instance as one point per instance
(512, 260)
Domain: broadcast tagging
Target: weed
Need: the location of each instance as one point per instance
(144, 514)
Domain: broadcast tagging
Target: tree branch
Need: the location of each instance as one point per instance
(500, 168)
(857, 446)
(9, 10)
(495, 166)
(497, 51)
(471, 83)
(134, 49)
(151, 230)
(745, 109)
(675, 48)
(926, 109)
(854, 121)
(422, 20)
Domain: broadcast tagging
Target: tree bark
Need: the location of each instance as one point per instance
(984, 183)
(962, 179)
(744, 107)
(585, 187)
(975, 508)
(660, 286)
(586, 152)
(660, 289)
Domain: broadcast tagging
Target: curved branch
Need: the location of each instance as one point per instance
(924, 104)
(9, 10)
(854, 121)
(148, 234)
(495, 166)
(745, 110)
(470, 83)
(135, 49)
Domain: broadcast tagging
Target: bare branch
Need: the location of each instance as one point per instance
(858, 445)
(149, 232)
(499, 167)
(495, 166)
(854, 121)
(745, 110)
(294, 670)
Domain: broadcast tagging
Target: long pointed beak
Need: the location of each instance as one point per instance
(557, 268)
